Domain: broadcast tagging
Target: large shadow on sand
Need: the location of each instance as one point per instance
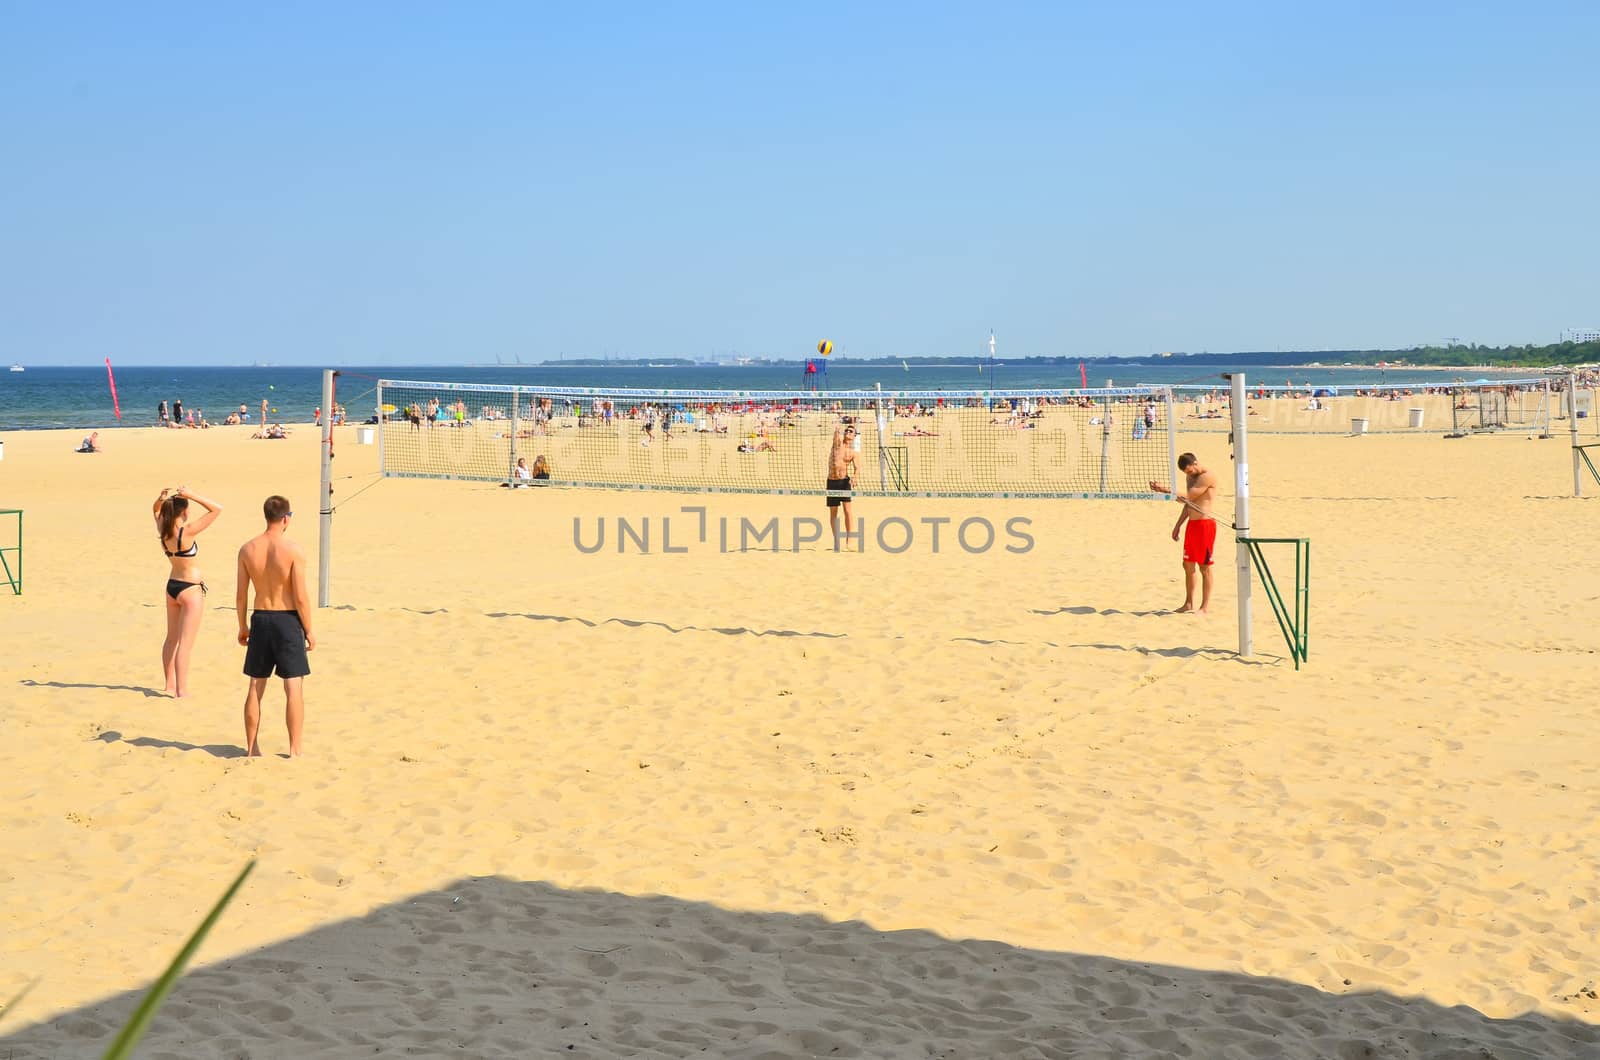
(215, 750)
(493, 967)
(148, 693)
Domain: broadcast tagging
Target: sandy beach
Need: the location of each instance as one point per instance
(761, 804)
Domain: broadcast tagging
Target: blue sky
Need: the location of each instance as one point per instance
(426, 183)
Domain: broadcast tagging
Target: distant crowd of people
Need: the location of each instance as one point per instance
(176, 416)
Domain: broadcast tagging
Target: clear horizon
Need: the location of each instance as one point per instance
(369, 185)
(864, 360)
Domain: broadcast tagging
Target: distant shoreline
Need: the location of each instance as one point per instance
(1419, 367)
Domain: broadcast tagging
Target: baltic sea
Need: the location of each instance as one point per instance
(80, 397)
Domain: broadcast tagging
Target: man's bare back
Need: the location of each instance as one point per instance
(275, 567)
(278, 634)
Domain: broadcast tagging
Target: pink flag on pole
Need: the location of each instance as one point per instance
(115, 407)
(1083, 374)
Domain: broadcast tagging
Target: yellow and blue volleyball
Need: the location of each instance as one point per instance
(824, 347)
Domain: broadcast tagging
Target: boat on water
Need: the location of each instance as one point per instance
(16, 368)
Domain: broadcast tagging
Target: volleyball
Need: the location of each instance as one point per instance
(824, 347)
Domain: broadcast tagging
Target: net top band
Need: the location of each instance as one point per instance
(1350, 388)
(792, 396)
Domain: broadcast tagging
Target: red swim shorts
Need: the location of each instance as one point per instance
(1199, 539)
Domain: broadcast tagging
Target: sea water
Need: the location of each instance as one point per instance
(80, 397)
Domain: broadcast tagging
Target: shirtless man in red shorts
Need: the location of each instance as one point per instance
(1200, 539)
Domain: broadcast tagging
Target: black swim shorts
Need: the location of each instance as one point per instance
(837, 484)
(277, 640)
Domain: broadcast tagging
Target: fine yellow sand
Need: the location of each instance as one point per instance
(805, 804)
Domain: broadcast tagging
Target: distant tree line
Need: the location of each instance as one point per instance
(1465, 356)
(1506, 356)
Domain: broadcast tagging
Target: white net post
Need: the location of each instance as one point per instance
(1572, 427)
(382, 417)
(1105, 444)
(516, 429)
(883, 441)
(1241, 512)
(325, 535)
(1172, 440)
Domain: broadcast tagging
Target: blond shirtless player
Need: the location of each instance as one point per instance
(1200, 539)
(278, 634)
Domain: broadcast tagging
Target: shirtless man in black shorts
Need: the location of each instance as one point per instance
(279, 634)
(841, 462)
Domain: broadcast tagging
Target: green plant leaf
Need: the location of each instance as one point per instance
(135, 1027)
(14, 1002)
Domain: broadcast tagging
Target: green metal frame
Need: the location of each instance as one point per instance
(1296, 626)
(13, 579)
(898, 461)
(1583, 452)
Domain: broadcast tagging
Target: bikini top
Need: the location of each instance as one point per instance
(182, 553)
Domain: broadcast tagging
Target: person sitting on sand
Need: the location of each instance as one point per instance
(521, 475)
(541, 470)
(90, 443)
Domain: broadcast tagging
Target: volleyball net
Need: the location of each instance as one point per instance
(1394, 408)
(1107, 442)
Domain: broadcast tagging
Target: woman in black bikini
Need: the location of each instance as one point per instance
(183, 606)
